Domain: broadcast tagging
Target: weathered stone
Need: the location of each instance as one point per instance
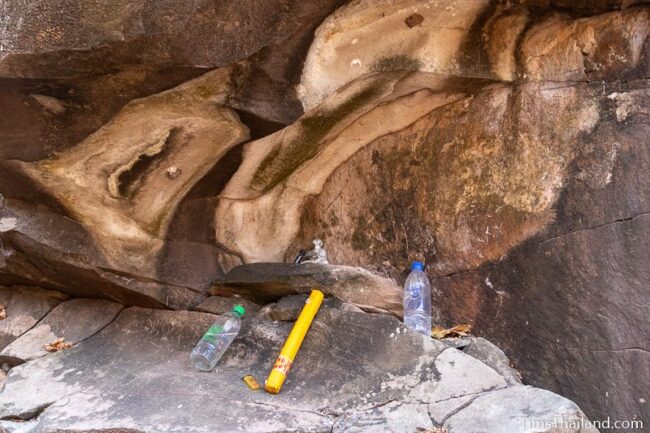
(24, 307)
(44, 39)
(18, 427)
(458, 375)
(265, 282)
(525, 190)
(268, 78)
(90, 316)
(358, 384)
(123, 200)
(345, 46)
(115, 181)
(608, 47)
(30, 132)
(47, 248)
(473, 39)
(555, 347)
(288, 309)
(491, 355)
(223, 305)
(260, 208)
(578, 159)
(519, 408)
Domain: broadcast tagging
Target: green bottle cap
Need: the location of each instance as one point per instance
(238, 310)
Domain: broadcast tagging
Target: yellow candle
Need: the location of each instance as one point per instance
(294, 340)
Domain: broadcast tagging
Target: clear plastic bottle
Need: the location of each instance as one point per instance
(216, 340)
(417, 300)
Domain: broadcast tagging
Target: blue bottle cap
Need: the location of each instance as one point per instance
(417, 266)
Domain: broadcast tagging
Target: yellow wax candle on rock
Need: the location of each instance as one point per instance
(294, 340)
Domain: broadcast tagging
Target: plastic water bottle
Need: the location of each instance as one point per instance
(417, 300)
(216, 340)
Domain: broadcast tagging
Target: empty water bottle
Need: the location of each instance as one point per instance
(417, 300)
(216, 340)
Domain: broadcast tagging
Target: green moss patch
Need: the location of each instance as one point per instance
(396, 63)
(287, 157)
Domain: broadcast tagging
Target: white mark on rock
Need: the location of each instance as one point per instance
(489, 283)
(356, 63)
(355, 41)
(7, 224)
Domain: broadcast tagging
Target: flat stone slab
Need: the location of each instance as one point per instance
(74, 320)
(24, 307)
(490, 354)
(267, 282)
(519, 409)
(135, 375)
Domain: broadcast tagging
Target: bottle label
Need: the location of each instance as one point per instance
(211, 334)
(282, 364)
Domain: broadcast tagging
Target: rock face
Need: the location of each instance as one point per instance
(44, 39)
(124, 181)
(504, 143)
(522, 192)
(281, 171)
(416, 35)
(121, 185)
(396, 379)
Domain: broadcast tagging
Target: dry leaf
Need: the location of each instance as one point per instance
(439, 332)
(57, 345)
(3, 312)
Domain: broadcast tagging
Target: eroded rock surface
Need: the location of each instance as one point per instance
(44, 39)
(266, 282)
(281, 171)
(547, 147)
(505, 143)
(478, 39)
(24, 307)
(395, 379)
(74, 320)
(119, 182)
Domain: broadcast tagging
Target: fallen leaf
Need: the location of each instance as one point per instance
(439, 332)
(57, 345)
(3, 312)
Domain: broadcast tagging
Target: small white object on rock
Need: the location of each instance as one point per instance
(317, 255)
(49, 103)
(173, 172)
